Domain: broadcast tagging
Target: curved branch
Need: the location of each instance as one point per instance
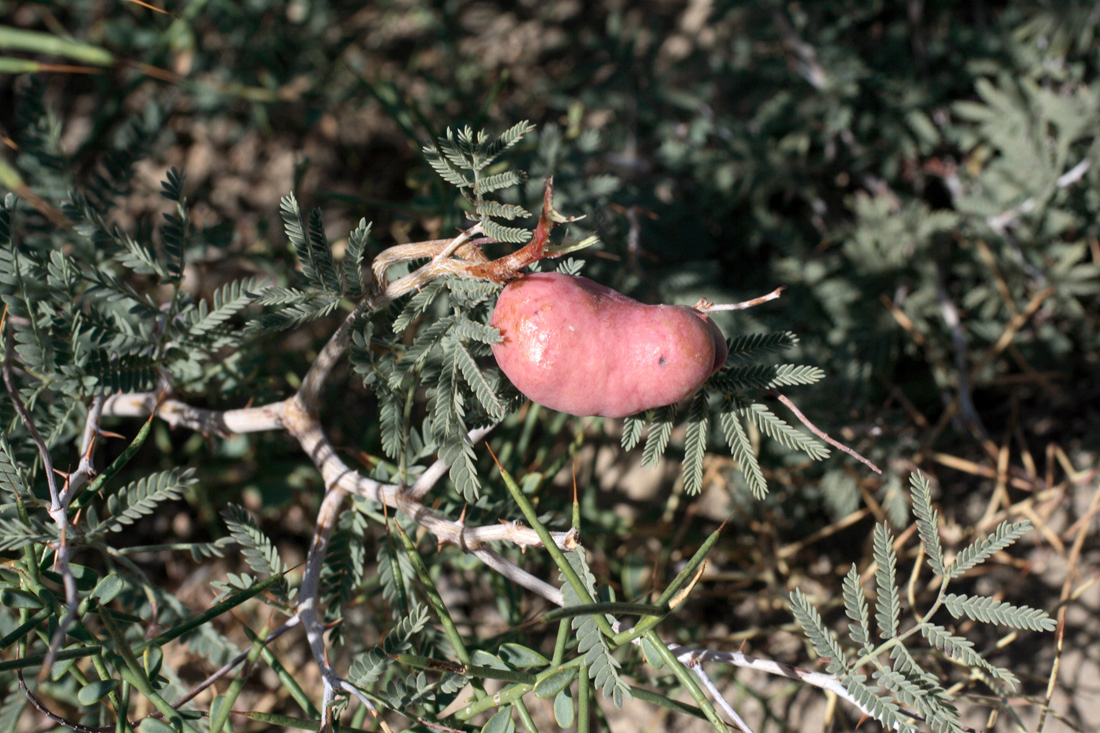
(179, 414)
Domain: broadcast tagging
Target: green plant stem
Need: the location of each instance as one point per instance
(666, 702)
(92, 490)
(237, 685)
(551, 547)
(434, 599)
(400, 598)
(139, 678)
(212, 612)
(436, 665)
(19, 39)
(507, 696)
(561, 642)
(682, 578)
(612, 607)
(37, 659)
(27, 626)
(406, 426)
(530, 421)
(285, 677)
(122, 724)
(525, 715)
(143, 549)
(27, 66)
(683, 675)
(584, 699)
(105, 674)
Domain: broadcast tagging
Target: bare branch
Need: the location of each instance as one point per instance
(307, 602)
(435, 471)
(693, 657)
(519, 576)
(85, 470)
(821, 433)
(58, 510)
(705, 306)
(958, 343)
(178, 414)
(720, 699)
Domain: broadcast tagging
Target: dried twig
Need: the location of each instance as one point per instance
(821, 433)
(1067, 587)
(307, 602)
(705, 306)
(229, 666)
(719, 698)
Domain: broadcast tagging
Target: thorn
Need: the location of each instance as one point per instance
(494, 455)
(91, 445)
(574, 467)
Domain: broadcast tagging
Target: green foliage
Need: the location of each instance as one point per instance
(898, 677)
(591, 644)
(258, 550)
(311, 246)
(11, 478)
(138, 499)
(355, 258)
(367, 668)
(890, 169)
(983, 549)
(463, 159)
(732, 395)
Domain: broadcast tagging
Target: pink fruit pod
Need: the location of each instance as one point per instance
(578, 347)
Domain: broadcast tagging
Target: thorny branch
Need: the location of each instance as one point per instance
(694, 658)
(85, 470)
(298, 415)
(59, 502)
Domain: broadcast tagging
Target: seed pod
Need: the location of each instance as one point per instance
(578, 347)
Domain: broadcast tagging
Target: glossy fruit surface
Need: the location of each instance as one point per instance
(578, 347)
